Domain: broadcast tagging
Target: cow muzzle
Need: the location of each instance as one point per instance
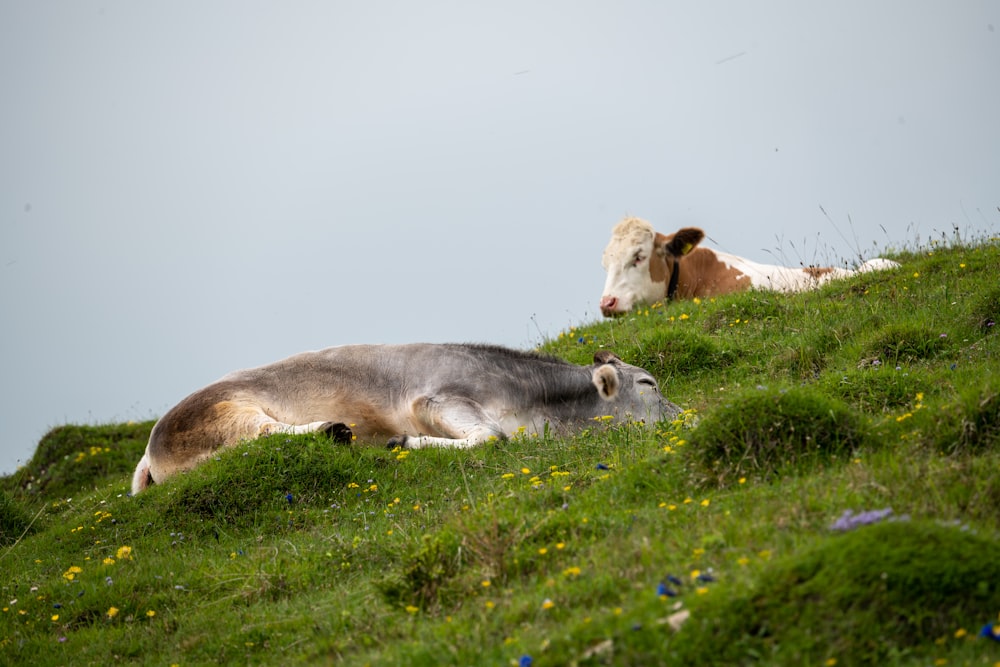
(611, 306)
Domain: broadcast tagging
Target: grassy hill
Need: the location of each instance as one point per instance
(831, 496)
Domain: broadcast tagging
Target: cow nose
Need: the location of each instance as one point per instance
(609, 305)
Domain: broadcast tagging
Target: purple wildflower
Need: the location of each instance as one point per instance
(849, 520)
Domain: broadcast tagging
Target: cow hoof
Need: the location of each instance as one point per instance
(397, 441)
(338, 432)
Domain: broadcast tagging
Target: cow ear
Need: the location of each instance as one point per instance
(605, 357)
(684, 241)
(606, 380)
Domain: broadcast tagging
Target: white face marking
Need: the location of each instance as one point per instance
(626, 259)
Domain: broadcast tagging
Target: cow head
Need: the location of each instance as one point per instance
(628, 391)
(639, 262)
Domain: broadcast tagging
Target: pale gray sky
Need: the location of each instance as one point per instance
(188, 188)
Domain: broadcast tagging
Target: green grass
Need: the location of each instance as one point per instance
(878, 392)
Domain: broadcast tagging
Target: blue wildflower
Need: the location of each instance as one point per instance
(991, 631)
(288, 497)
(525, 661)
(602, 466)
(663, 590)
(676, 581)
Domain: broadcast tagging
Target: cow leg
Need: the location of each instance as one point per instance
(337, 431)
(462, 422)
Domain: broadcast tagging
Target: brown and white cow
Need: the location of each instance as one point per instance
(645, 266)
(418, 395)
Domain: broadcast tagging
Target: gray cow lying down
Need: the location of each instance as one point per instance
(419, 395)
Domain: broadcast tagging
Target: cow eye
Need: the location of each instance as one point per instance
(638, 259)
(649, 381)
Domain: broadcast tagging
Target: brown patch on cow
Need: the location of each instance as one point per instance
(667, 248)
(817, 272)
(703, 274)
(658, 268)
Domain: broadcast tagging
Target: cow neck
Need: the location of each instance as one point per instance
(674, 276)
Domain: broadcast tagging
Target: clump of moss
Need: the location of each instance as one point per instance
(859, 597)
(255, 483)
(875, 391)
(904, 343)
(676, 351)
(986, 311)
(14, 520)
(972, 424)
(766, 433)
(74, 458)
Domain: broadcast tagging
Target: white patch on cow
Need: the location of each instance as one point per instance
(778, 278)
(877, 264)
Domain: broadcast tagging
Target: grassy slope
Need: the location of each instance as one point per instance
(882, 391)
